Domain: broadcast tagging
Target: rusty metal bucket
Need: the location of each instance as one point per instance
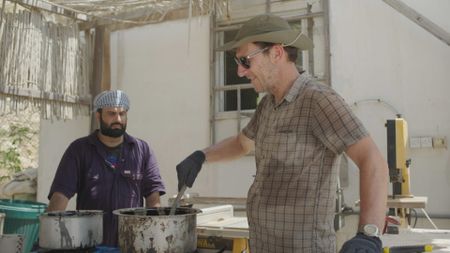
(154, 230)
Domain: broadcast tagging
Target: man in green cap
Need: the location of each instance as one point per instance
(299, 130)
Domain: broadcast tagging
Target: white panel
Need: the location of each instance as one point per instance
(54, 138)
(376, 53)
(165, 70)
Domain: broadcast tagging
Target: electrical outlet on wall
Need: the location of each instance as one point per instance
(426, 142)
(440, 142)
(414, 142)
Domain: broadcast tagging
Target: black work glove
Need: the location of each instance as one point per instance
(188, 169)
(362, 243)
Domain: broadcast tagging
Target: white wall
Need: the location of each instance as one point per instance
(165, 71)
(235, 177)
(377, 53)
(54, 138)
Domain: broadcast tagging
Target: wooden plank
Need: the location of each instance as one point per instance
(127, 18)
(439, 238)
(52, 8)
(106, 59)
(43, 95)
(138, 17)
(421, 20)
(326, 24)
(101, 74)
(406, 202)
(216, 200)
(237, 23)
(220, 232)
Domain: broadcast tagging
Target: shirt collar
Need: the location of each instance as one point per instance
(294, 90)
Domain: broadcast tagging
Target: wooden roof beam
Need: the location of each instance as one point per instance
(133, 18)
(46, 6)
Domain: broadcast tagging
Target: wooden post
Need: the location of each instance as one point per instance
(102, 65)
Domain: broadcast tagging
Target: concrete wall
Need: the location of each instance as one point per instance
(165, 71)
(54, 138)
(376, 54)
(379, 54)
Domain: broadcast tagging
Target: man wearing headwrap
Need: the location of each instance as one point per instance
(298, 132)
(109, 169)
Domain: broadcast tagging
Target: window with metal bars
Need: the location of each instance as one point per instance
(248, 98)
(234, 98)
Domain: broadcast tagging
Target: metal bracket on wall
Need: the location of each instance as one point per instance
(421, 20)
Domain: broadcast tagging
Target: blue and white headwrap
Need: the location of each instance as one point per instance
(111, 98)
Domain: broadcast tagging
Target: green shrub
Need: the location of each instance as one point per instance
(13, 145)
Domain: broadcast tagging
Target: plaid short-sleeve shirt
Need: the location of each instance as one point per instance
(291, 203)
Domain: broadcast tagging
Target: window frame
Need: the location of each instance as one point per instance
(218, 86)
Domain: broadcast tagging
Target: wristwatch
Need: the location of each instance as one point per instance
(370, 230)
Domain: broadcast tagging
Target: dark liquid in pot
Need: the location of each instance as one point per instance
(159, 211)
(71, 213)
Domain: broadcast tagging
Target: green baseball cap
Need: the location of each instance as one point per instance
(268, 28)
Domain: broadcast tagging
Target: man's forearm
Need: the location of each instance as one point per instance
(153, 200)
(229, 149)
(373, 181)
(58, 202)
(373, 197)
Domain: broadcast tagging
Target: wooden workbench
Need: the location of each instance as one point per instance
(404, 202)
(418, 237)
(407, 202)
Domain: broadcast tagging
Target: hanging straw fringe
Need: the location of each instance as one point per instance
(44, 64)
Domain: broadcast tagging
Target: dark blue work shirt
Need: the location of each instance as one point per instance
(84, 171)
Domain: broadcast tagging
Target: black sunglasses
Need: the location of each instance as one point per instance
(244, 61)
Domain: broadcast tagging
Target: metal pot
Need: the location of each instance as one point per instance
(154, 230)
(71, 229)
